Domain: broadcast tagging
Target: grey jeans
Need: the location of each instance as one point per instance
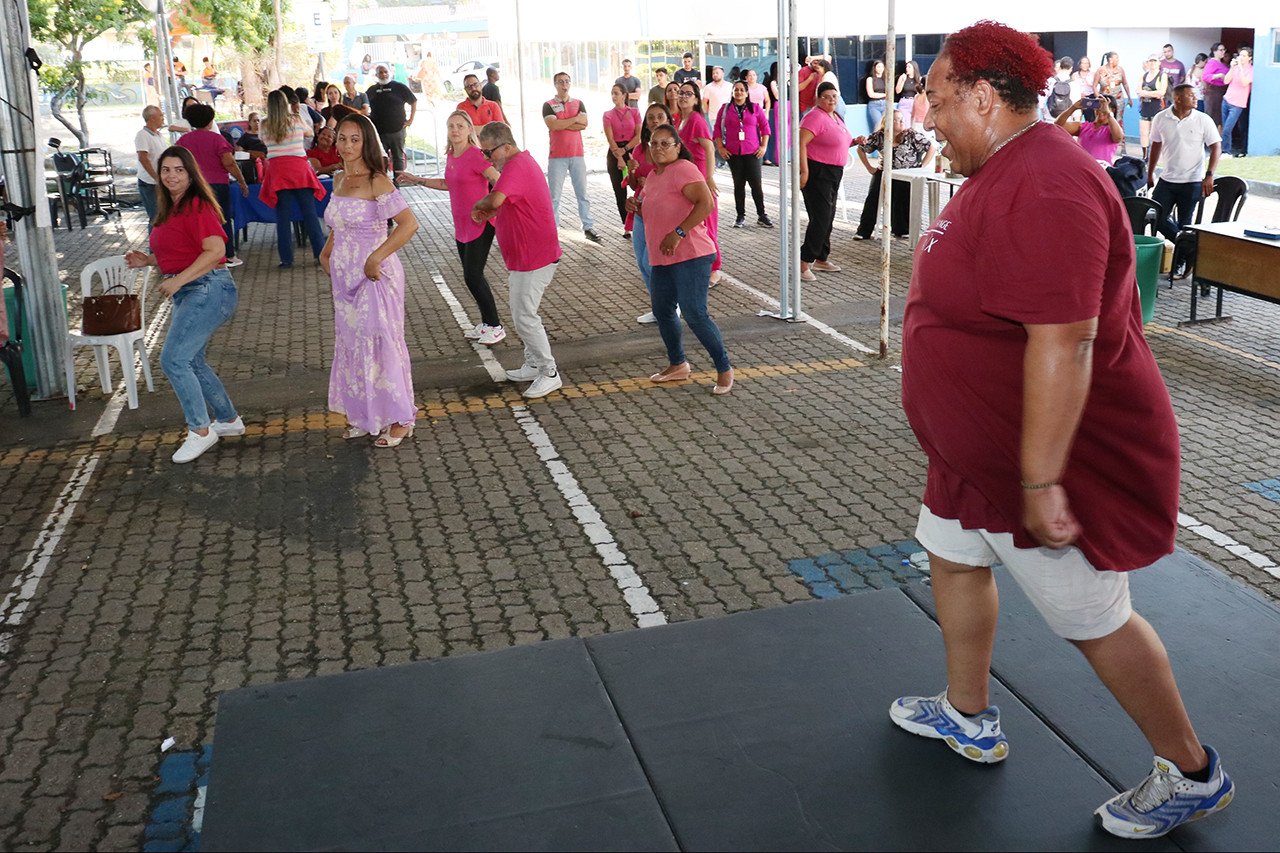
(526, 295)
(394, 142)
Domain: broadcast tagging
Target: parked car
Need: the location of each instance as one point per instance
(453, 80)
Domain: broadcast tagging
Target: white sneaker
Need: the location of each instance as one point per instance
(474, 332)
(524, 373)
(647, 318)
(234, 262)
(194, 446)
(490, 335)
(544, 385)
(225, 428)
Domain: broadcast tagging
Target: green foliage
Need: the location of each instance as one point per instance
(245, 24)
(71, 24)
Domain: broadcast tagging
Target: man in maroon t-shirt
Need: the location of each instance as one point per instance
(1023, 379)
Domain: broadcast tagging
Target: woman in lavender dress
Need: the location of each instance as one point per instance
(370, 381)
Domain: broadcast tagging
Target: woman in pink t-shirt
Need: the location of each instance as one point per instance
(467, 179)
(676, 204)
(695, 135)
(622, 132)
(1100, 137)
(824, 150)
(217, 162)
(654, 117)
(1239, 81)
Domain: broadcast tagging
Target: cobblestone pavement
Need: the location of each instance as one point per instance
(146, 589)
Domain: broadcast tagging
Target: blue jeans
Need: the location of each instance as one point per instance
(576, 168)
(1230, 115)
(875, 112)
(642, 251)
(686, 284)
(199, 308)
(306, 201)
(148, 193)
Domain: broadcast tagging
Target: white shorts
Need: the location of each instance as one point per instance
(1078, 601)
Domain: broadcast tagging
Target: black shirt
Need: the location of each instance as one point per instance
(491, 93)
(386, 105)
(692, 74)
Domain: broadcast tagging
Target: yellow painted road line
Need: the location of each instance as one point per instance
(1169, 330)
(502, 398)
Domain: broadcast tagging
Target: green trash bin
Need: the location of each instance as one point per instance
(28, 349)
(1149, 251)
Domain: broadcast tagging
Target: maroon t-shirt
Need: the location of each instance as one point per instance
(1038, 236)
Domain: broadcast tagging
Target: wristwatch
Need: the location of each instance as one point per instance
(1208, 173)
(680, 232)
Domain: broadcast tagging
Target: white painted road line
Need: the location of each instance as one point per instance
(1222, 540)
(840, 337)
(641, 603)
(33, 571)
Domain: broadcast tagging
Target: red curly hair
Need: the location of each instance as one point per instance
(1013, 62)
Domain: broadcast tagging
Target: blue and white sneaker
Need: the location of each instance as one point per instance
(1166, 799)
(977, 738)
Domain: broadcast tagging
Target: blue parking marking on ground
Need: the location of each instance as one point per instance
(838, 573)
(1269, 489)
(177, 813)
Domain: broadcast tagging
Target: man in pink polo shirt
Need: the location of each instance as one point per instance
(520, 207)
(477, 106)
(566, 118)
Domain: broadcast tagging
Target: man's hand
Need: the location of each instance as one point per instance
(1046, 513)
(1206, 186)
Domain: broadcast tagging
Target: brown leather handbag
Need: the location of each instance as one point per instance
(112, 313)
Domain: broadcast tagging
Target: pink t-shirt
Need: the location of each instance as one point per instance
(623, 122)
(564, 143)
(831, 139)
(464, 176)
(1097, 141)
(692, 129)
(756, 93)
(665, 207)
(207, 148)
(525, 223)
(1238, 89)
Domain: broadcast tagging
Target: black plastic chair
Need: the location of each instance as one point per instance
(1144, 213)
(1231, 193)
(11, 352)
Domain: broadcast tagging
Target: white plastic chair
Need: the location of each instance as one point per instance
(112, 271)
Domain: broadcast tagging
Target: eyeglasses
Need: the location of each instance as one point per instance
(488, 152)
(663, 143)
(685, 95)
(563, 81)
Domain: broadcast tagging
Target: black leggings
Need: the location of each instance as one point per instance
(619, 188)
(474, 255)
(745, 169)
(820, 193)
(900, 216)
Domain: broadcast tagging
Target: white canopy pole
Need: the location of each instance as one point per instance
(886, 176)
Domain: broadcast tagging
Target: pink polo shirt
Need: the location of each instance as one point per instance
(525, 223)
(665, 207)
(206, 149)
(464, 176)
(831, 139)
(564, 143)
(623, 122)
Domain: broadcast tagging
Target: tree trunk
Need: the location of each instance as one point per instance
(55, 108)
(83, 133)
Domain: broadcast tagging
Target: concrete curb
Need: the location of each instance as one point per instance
(1267, 189)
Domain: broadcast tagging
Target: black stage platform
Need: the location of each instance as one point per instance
(766, 730)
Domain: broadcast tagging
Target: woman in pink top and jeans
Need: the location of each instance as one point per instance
(1239, 81)
(695, 135)
(676, 204)
(467, 177)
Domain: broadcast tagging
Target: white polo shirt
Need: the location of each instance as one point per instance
(155, 145)
(1184, 143)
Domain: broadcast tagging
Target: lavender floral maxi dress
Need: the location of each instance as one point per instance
(370, 381)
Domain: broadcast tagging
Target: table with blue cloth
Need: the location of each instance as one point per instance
(246, 209)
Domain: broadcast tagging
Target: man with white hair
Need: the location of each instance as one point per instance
(150, 143)
(352, 97)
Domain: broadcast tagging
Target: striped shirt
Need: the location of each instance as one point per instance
(291, 147)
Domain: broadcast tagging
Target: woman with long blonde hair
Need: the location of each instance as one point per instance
(467, 176)
(289, 180)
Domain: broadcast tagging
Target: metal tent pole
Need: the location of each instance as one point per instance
(886, 177)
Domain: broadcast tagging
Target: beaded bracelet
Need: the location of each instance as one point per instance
(1040, 485)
